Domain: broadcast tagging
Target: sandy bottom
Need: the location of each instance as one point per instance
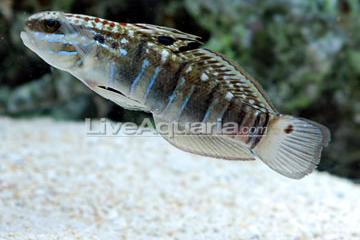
(58, 183)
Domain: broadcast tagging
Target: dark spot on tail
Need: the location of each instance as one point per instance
(289, 129)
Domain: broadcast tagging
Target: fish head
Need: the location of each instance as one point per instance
(57, 38)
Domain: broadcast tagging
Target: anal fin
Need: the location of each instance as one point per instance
(216, 146)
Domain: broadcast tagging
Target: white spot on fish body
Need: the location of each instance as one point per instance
(252, 101)
(99, 25)
(164, 55)
(204, 77)
(230, 84)
(124, 41)
(123, 52)
(131, 33)
(229, 96)
(189, 69)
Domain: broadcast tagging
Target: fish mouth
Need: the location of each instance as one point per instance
(27, 39)
(24, 36)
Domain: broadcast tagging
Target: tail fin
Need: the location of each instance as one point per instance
(292, 146)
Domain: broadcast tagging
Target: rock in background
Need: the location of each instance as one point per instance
(305, 53)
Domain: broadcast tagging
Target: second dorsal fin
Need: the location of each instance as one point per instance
(231, 78)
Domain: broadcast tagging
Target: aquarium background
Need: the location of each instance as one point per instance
(306, 54)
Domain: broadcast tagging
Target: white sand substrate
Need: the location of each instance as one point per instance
(58, 183)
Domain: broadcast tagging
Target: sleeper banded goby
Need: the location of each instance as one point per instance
(168, 73)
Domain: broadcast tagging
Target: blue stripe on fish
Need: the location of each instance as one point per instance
(210, 110)
(48, 37)
(136, 82)
(186, 101)
(220, 116)
(112, 74)
(54, 38)
(152, 82)
(65, 53)
(173, 96)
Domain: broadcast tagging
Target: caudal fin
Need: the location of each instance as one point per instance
(292, 146)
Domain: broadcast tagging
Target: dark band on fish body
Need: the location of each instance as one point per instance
(165, 85)
(249, 122)
(139, 52)
(235, 112)
(261, 129)
(170, 86)
(255, 124)
(133, 64)
(180, 70)
(138, 65)
(241, 117)
(173, 98)
(198, 103)
(258, 127)
(204, 102)
(185, 102)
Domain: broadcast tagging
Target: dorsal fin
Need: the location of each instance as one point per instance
(173, 39)
(232, 78)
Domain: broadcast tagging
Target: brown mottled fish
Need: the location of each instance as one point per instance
(167, 73)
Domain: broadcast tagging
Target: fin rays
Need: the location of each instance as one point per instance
(296, 153)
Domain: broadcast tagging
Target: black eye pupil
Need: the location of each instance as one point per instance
(51, 23)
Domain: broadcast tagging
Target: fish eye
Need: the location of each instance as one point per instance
(51, 25)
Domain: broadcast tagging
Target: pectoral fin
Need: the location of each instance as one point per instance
(120, 99)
